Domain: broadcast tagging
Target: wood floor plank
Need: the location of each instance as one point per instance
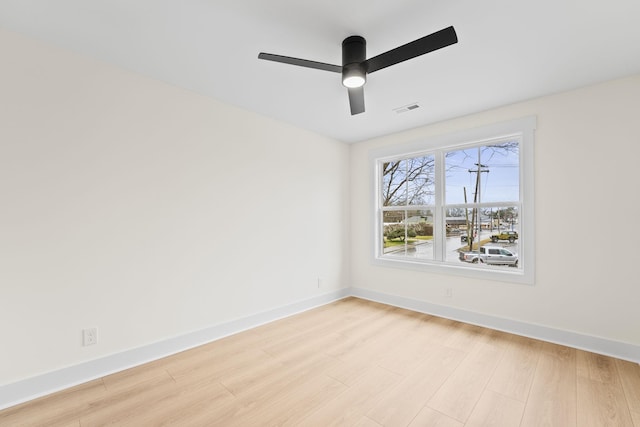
(367, 422)
(351, 316)
(193, 404)
(496, 410)
(242, 379)
(312, 323)
(552, 400)
(167, 404)
(429, 417)
(258, 336)
(348, 371)
(133, 376)
(439, 329)
(214, 365)
(400, 404)
(514, 375)
(291, 404)
(369, 338)
(256, 381)
(350, 406)
(414, 347)
(465, 337)
(381, 342)
(630, 378)
(597, 367)
(378, 340)
(59, 409)
(461, 391)
(128, 401)
(274, 385)
(305, 344)
(601, 405)
(601, 399)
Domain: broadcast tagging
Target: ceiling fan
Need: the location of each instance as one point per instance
(355, 66)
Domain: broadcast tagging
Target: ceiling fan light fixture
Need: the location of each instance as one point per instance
(353, 78)
(353, 81)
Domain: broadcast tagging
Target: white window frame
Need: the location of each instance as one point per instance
(524, 129)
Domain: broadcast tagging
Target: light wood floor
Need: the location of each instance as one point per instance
(357, 363)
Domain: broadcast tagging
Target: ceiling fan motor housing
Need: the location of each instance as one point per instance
(354, 55)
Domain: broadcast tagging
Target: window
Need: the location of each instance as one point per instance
(460, 203)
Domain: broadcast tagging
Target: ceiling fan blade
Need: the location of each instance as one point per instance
(356, 100)
(301, 62)
(426, 44)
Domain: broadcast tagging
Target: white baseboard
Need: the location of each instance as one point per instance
(32, 388)
(617, 349)
(41, 385)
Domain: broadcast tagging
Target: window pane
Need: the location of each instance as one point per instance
(420, 224)
(488, 173)
(408, 182)
(408, 234)
(420, 180)
(496, 240)
(458, 224)
(501, 181)
(461, 174)
(394, 233)
(394, 179)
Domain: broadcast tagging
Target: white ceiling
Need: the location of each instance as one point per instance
(508, 51)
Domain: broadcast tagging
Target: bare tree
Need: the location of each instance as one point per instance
(408, 181)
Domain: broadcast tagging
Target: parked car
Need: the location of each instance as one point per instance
(494, 255)
(498, 256)
(511, 236)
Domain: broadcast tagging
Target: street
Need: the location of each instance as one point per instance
(423, 249)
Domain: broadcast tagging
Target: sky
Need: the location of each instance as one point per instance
(500, 182)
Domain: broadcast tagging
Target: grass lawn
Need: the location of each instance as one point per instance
(391, 243)
(476, 245)
(413, 240)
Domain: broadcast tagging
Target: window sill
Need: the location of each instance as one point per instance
(509, 274)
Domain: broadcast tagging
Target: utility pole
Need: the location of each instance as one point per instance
(475, 215)
(466, 214)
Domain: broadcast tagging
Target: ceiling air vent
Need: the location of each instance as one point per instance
(406, 108)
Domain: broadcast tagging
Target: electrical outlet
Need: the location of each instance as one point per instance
(320, 282)
(448, 293)
(89, 336)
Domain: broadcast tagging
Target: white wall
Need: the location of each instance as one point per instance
(148, 211)
(587, 195)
